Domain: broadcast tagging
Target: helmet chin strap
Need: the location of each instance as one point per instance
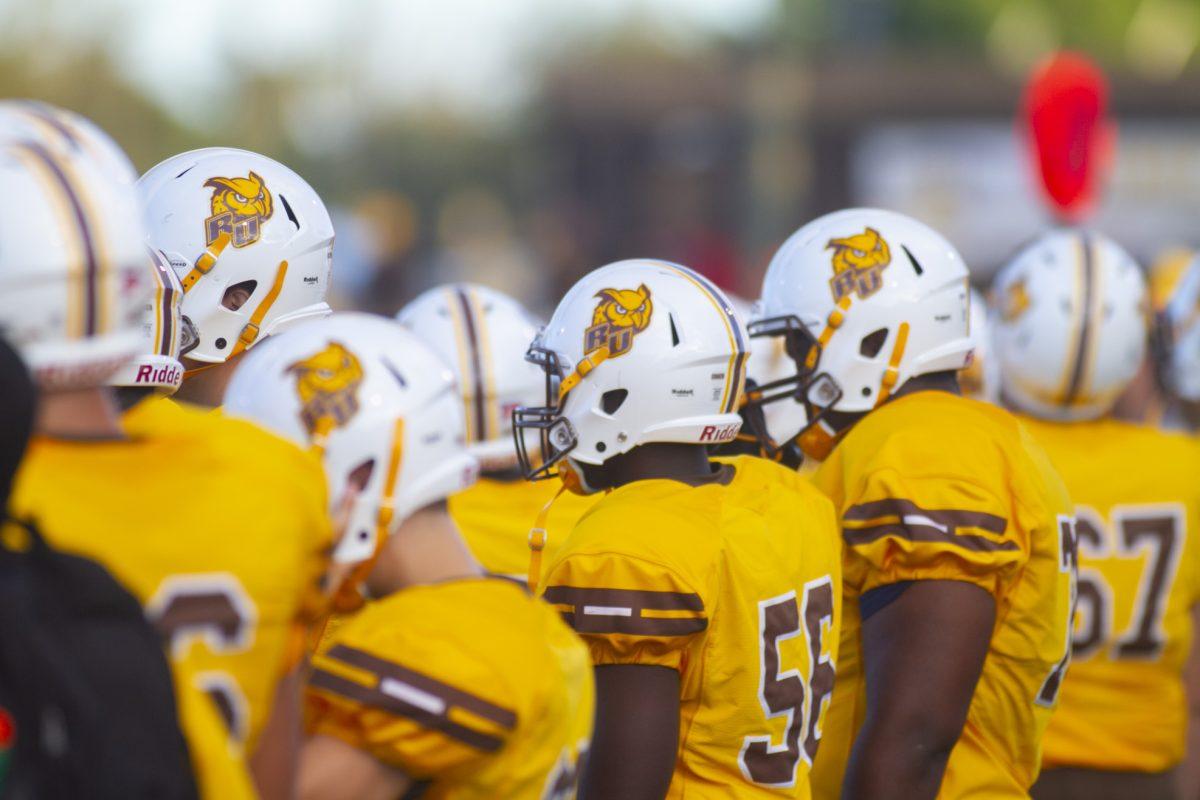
(818, 439)
(892, 373)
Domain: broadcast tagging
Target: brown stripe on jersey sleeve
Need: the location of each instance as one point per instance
(904, 519)
(602, 611)
(375, 697)
(450, 695)
(896, 507)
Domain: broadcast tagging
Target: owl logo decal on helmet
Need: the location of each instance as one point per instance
(239, 207)
(858, 264)
(620, 315)
(327, 383)
(1015, 302)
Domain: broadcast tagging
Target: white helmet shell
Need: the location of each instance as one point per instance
(645, 351)
(165, 335)
(1071, 325)
(365, 391)
(980, 379)
(884, 295)
(226, 217)
(67, 132)
(482, 334)
(74, 273)
(1181, 316)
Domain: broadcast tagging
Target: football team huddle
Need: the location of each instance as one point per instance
(866, 537)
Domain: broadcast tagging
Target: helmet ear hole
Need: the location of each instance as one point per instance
(236, 296)
(872, 343)
(361, 475)
(612, 400)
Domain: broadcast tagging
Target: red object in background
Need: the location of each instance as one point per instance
(7, 730)
(1065, 111)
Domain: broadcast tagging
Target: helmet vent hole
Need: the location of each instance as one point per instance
(872, 343)
(220, 343)
(612, 400)
(361, 475)
(601, 447)
(916, 265)
(395, 373)
(186, 171)
(674, 332)
(866, 391)
(290, 214)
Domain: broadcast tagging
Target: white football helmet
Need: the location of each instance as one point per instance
(1180, 332)
(379, 405)
(482, 334)
(74, 273)
(68, 132)
(980, 379)
(1071, 325)
(166, 335)
(227, 218)
(637, 351)
(768, 363)
(864, 300)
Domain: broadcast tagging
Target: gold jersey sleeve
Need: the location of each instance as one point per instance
(495, 517)
(936, 487)
(735, 585)
(219, 528)
(472, 685)
(1137, 502)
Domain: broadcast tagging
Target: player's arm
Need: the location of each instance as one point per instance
(1189, 771)
(636, 735)
(330, 769)
(922, 654)
(274, 761)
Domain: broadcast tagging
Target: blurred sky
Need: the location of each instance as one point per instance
(472, 56)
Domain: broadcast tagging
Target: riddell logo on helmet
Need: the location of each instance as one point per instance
(239, 207)
(620, 315)
(160, 376)
(719, 433)
(858, 264)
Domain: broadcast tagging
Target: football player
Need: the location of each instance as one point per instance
(448, 677)
(707, 591)
(482, 334)
(76, 279)
(958, 557)
(253, 246)
(1070, 336)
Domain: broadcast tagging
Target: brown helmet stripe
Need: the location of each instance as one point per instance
(85, 234)
(1083, 342)
(448, 694)
(167, 297)
(377, 698)
(604, 611)
(479, 401)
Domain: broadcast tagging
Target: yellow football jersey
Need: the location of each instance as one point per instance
(218, 527)
(471, 685)
(933, 486)
(1137, 501)
(735, 586)
(495, 518)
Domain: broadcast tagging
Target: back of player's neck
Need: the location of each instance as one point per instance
(933, 382)
(686, 463)
(80, 414)
(205, 388)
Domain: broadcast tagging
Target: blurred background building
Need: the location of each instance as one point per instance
(521, 143)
